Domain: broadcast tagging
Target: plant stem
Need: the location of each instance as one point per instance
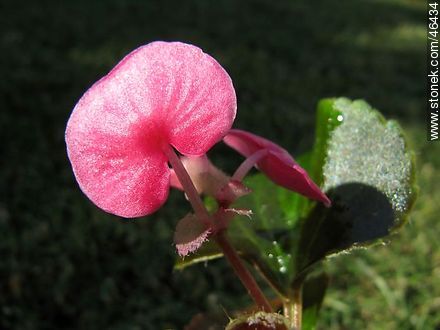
(189, 188)
(248, 163)
(293, 306)
(203, 215)
(242, 272)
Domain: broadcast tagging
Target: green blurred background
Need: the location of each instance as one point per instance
(67, 265)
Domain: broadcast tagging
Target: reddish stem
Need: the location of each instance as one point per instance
(203, 215)
(188, 186)
(248, 163)
(242, 272)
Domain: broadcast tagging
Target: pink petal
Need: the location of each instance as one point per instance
(178, 89)
(161, 93)
(206, 178)
(278, 165)
(203, 105)
(247, 143)
(174, 180)
(231, 192)
(115, 173)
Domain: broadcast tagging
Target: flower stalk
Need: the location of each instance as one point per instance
(188, 186)
(242, 272)
(247, 165)
(292, 306)
(202, 214)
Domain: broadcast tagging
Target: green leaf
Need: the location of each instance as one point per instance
(328, 118)
(368, 173)
(265, 239)
(208, 251)
(366, 169)
(314, 289)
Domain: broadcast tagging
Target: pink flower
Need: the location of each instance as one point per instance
(160, 95)
(276, 163)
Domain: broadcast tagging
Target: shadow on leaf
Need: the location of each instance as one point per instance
(359, 216)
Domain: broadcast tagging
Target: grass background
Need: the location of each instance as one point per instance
(66, 265)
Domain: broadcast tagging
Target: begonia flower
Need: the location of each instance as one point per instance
(160, 95)
(276, 163)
